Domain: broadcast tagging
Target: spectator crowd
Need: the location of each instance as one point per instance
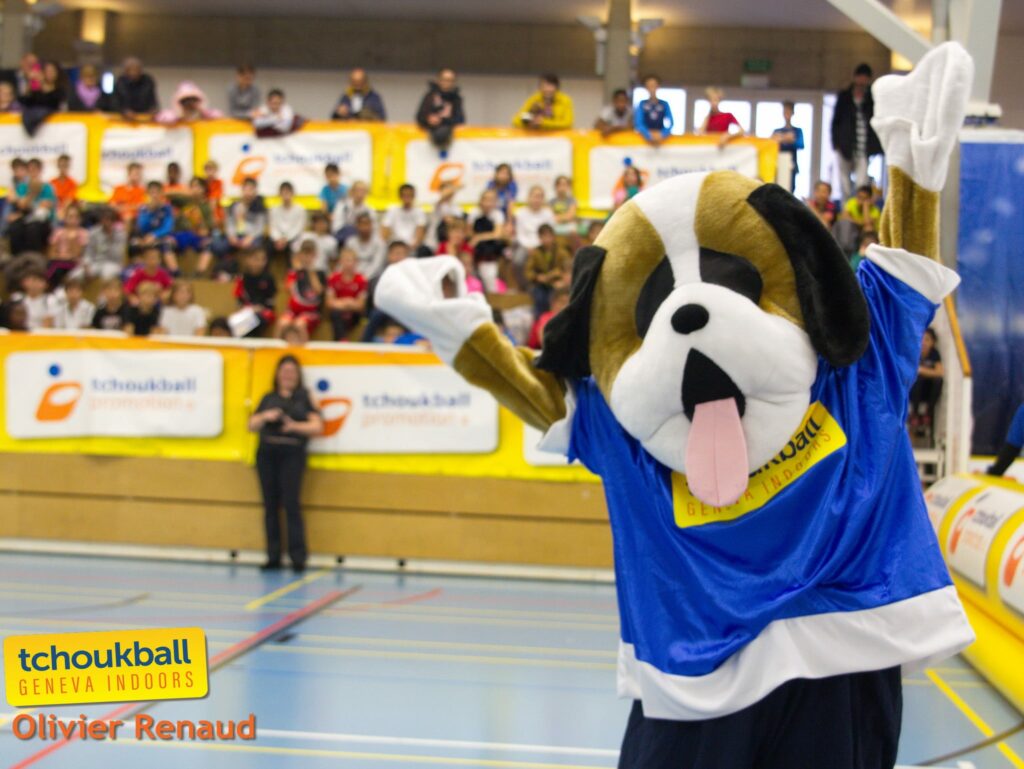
(292, 270)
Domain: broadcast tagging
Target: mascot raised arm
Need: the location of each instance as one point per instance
(742, 394)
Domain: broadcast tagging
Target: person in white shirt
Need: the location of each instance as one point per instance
(74, 311)
(107, 247)
(528, 221)
(275, 117)
(405, 222)
(343, 220)
(182, 316)
(326, 243)
(287, 221)
(40, 306)
(368, 246)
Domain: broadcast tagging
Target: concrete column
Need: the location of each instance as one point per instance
(617, 60)
(14, 37)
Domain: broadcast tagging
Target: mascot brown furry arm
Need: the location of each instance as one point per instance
(742, 393)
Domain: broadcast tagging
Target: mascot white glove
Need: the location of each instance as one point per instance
(412, 291)
(918, 116)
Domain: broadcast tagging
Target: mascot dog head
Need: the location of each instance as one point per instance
(701, 312)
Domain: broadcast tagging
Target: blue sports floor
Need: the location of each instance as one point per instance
(403, 671)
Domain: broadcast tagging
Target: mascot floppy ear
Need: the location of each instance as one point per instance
(566, 349)
(834, 309)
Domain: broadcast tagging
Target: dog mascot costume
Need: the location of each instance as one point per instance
(742, 394)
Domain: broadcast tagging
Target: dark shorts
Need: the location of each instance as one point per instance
(843, 722)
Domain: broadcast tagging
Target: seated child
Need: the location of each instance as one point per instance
(154, 226)
(305, 286)
(182, 316)
(546, 269)
(559, 301)
(326, 243)
(256, 288)
(143, 317)
(127, 198)
(64, 187)
(112, 314)
(194, 225)
(346, 296)
(489, 228)
(67, 248)
(74, 311)
(40, 305)
(149, 271)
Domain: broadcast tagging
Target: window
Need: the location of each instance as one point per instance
(741, 109)
(769, 117)
(676, 98)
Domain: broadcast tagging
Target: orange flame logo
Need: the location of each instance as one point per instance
(958, 530)
(447, 172)
(1013, 562)
(251, 166)
(335, 411)
(58, 401)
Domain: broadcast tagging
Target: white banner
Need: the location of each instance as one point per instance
(974, 529)
(1011, 571)
(944, 494)
(607, 163)
(137, 393)
(401, 410)
(298, 158)
(152, 146)
(49, 143)
(471, 163)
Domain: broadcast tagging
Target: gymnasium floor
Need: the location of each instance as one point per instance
(399, 671)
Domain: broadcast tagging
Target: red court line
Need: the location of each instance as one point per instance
(216, 662)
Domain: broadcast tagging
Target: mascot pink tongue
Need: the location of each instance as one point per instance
(716, 453)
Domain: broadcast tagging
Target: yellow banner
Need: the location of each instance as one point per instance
(108, 666)
(387, 156)
(37, 404)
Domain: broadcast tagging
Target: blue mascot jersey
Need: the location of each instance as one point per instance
(828, 564)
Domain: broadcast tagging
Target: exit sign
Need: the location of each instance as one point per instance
(757, 65)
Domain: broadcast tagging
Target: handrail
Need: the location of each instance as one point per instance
(958, 339)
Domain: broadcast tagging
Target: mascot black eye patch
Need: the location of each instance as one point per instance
(732, 272)
(721, 269)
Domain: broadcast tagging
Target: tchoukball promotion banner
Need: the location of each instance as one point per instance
(607, 162)
(53, 139)
(125, 397)
(150, 145)
(471, 161)
(298, 158)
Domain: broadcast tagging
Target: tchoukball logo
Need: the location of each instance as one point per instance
(59, 399)
(1013, 562)
(249, 166)
(447, 172)
(958, 529)
(334, 410)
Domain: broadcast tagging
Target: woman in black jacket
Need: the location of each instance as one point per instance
(441, 110)
(286, 419)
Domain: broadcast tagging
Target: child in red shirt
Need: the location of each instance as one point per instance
(305, 292)
(346, 295)
(149, 272)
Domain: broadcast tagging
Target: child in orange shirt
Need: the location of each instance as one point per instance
(128, 197)
(215, 190)
(64, 187)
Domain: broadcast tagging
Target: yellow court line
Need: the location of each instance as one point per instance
(970, 714)
(291, 586)
(355, 755)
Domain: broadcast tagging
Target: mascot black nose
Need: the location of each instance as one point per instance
(690, 318)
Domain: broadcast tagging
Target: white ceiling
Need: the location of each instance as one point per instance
(806, 14)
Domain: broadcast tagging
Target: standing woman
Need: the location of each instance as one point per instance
(285, 419)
